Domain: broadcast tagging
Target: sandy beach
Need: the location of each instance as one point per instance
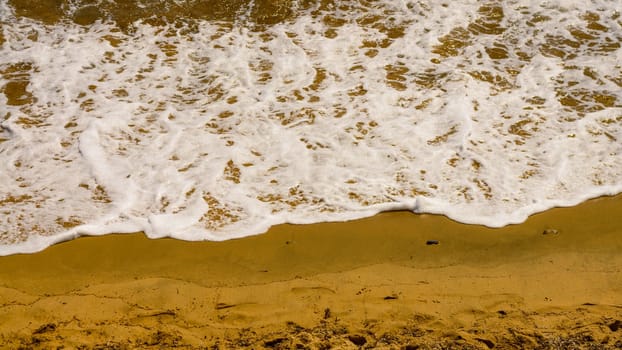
(393, 281)
(216, 119)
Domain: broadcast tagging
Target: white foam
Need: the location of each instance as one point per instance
(224, 132)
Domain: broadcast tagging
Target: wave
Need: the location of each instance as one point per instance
(200, 127)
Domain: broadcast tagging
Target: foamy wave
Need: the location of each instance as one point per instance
(484, 113)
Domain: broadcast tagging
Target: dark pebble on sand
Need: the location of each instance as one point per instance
(357, 339)
(615, 325)
(432, 242)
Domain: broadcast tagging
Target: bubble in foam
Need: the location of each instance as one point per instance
(486, 113)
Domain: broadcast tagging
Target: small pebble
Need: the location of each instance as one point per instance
(357, 339)
(432, 242)
(615, 325)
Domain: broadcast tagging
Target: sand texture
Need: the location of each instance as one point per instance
(554, 281)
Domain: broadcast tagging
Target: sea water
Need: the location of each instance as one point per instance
(211, 120)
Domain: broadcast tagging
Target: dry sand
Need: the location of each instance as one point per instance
(554, 281)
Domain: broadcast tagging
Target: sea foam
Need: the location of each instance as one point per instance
(484, 113)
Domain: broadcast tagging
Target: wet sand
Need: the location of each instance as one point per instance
(395, 281)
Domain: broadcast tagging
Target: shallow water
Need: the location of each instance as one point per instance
(218, 119)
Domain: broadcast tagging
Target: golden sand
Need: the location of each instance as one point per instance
(554, 281)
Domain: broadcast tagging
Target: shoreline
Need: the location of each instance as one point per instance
(379, 282)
